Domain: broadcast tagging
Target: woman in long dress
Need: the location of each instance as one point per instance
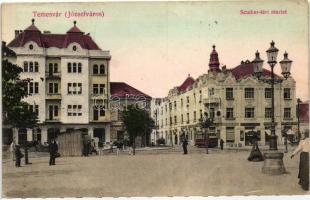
(303, 148)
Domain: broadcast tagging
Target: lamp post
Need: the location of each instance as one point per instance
(273, 163)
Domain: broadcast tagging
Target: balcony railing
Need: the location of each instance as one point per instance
(53, 96)
(52, 74)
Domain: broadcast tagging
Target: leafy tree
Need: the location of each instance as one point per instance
(137, 123)
(15, 112)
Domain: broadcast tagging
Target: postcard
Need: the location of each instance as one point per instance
(155, 99)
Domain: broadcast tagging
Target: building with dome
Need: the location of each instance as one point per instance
(234, 98)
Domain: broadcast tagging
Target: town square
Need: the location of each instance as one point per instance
(171, 99)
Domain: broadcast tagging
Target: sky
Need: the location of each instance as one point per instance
(155, 45)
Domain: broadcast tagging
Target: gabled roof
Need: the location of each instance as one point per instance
(246, 69)
(123, 90)
(188, 82)
(46, 40)
(304, 112)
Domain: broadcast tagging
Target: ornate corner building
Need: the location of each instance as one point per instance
(238, 103)
(70, 85)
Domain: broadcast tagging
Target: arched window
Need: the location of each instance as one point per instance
(31, 67)
(95, 69)
(74, 68)
(55, 68)
(80, 68)
(25, 66)
(36, 66)
(102, 69)
(69, 68)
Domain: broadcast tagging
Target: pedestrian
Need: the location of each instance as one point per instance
(303, 148)
(18, 156)
(88, 147)
(12, 149)
(53, 149)
(25, 146)
(184, 144)
(100, 147)
(222, 144)
(119, 147)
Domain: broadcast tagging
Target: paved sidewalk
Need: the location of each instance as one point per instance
(218, 173)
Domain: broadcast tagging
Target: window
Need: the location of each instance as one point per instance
(30, 66)
(187, 99)
(102, 69)
(287, 93)
(25, 66)
(53, 88)
(229, 93)
(69, 68)
(212, 113)
(170, 120)
(74, 68)
(80, 68)
(211, 91)
(249, 93)
(287, 113)
(230, 134)
(74, 88)
(74, 48)
(175, 105)
(229, 113)
(268, 113)
(74, 110)
(30, 46)
(95, 69)
(182, 120)
(33, 87)
(56, 110)
(101, 88)
(55, 67)
(166, 121)
(170, 106)
(36, 67)
(194, 116)
(175, 120)
(187, 121)
(249, 113)
(200, 114)
(268, 93)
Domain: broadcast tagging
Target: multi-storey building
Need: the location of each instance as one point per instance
(237, 101)
(69, 86)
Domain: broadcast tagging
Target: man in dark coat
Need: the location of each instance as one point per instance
(18, 156)
(184, 145)
(53, 149)
(222, 144)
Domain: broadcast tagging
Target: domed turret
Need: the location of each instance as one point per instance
(214, 61)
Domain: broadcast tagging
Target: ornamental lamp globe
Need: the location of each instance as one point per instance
(258, 65)
(286, 66)
(272, 53)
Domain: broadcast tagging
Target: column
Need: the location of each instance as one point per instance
(237, 136)
(15, 135)
(91, 132)
(262, 136)
(29, 134)
(108, 133)
(44, 135)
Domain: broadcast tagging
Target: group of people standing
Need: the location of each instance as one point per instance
(17, 154)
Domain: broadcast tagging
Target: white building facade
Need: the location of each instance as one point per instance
(69, 86)
(236, 100)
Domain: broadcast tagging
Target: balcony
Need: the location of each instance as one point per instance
(53, 120)
(53, 96)
(52, 75)
(99, 96)
(212, 100)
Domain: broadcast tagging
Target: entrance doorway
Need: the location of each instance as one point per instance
(22, 135)
(100, 133)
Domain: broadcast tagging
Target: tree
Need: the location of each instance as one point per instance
(137, 123)
(15, 112)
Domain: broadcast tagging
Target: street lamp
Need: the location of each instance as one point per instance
(273, 163)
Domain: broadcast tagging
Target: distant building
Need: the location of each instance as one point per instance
(234, 98)
(123, 95)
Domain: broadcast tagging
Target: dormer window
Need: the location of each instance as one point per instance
(74, 48)
(30, 46)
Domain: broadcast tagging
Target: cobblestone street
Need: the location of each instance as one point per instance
(196, 174)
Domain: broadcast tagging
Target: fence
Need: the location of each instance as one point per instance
(70, 144)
